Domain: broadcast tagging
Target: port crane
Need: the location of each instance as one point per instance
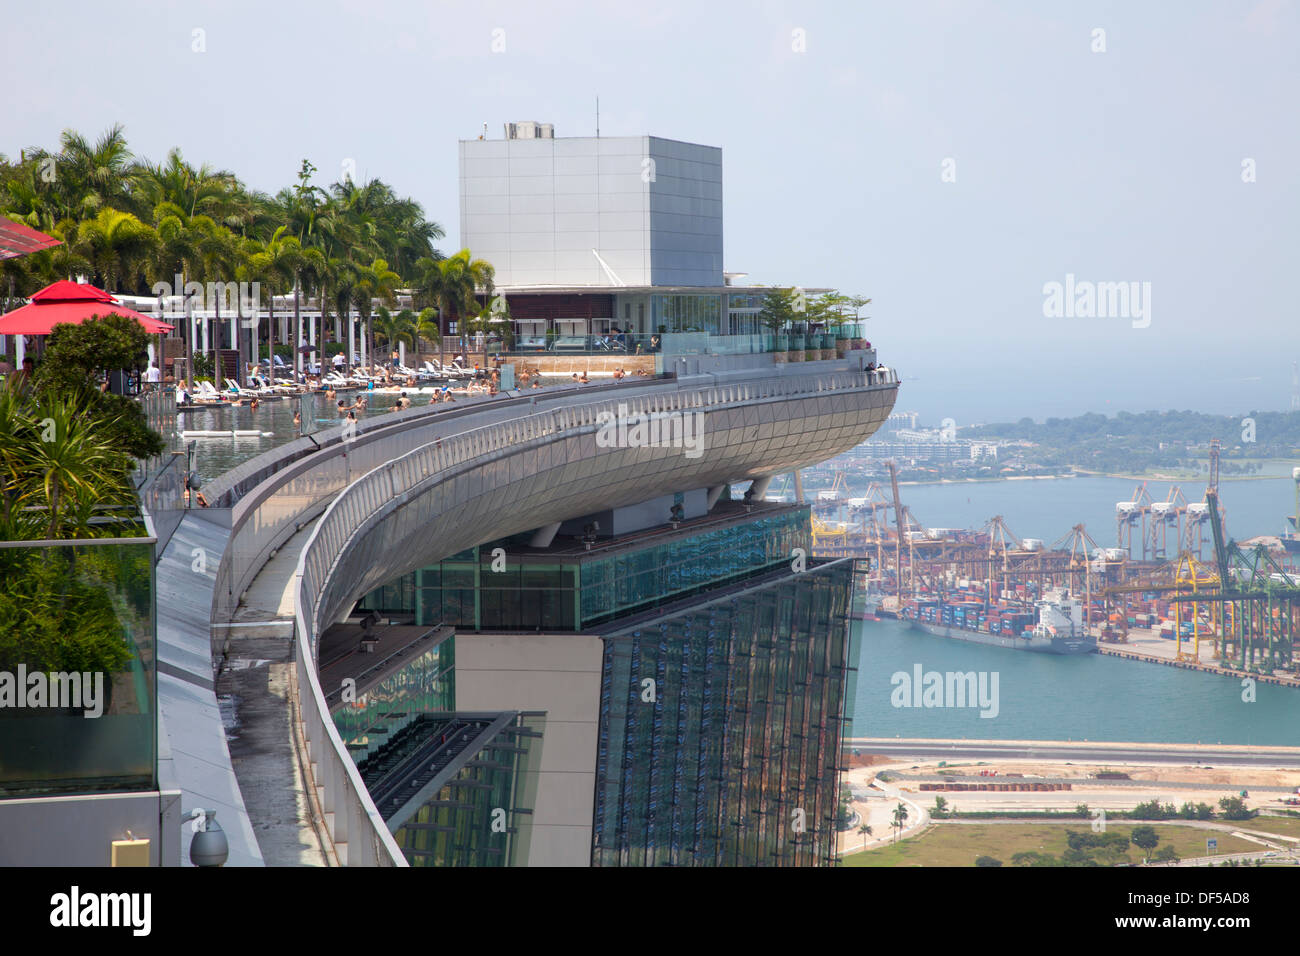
(1166, 515)
(1128, 514)
(898, 520)
(1257, 601)
(1198, 513)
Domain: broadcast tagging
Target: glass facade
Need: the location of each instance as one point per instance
(427, 684)
(464, 592)
(721, 730)
(721, 721)
(78, 669)
(637, 579)
(686, 313)
(582, 590)
(482, 814)
(742, 314)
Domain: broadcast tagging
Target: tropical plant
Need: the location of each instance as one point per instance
(116, 244)
(55, 615)
(1146, 838)
(427, 328)
(899, 819)
(451, 284)
(77, 355)
(1234, 808)
(61, 464)
(391, 329)
(373, 282)
(131, 223)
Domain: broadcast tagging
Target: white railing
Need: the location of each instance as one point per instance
(355, 826)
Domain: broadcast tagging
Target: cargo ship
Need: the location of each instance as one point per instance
(1053, 625)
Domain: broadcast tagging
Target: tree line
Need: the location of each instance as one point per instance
(128, 223)
(1255, 431)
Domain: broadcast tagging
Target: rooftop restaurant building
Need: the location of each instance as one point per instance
(613, 240)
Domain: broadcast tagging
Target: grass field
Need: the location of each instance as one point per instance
(960, 844)
(1286, 826)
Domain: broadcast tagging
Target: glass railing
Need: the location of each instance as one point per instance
(681, 343)
(78, 671)
(617, 343)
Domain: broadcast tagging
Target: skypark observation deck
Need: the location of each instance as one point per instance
(406, 491)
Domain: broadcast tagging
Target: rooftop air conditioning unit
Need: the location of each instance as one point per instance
(528, 129)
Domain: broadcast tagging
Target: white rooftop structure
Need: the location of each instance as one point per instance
(603, 212)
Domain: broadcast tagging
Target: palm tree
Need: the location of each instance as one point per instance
(395, 328)
(196, 192)
(184, 241)
(900, 818)
(282, 261)
(181, 239)
(115, 243)
(223, 253)
(30, 199)
(411, 237)
(452, 283)
(426, 328)
(90, 177)
(15, 428)
(866, 832)
(72, 463)
(341, 279)
(310, 271)
(375, 281)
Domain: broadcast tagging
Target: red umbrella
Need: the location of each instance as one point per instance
(19, 240)
(67, 302)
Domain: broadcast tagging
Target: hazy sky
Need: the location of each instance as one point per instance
(835, 120)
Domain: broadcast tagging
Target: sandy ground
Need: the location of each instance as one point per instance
(1168, 783)
(1149, 642)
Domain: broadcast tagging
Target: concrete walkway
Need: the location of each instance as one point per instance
(256, 676)
(878, 813)
(189, 712)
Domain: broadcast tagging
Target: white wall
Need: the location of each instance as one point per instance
(558, 674)
(536, 208)
(80, 830)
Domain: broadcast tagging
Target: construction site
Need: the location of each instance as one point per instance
(1173, 588)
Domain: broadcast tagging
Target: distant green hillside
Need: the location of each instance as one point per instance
(1161, 440)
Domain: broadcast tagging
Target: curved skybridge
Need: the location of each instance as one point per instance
(399, 494)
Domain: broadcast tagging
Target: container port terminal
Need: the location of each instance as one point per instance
(1173, 589)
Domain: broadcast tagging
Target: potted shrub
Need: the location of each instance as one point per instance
(776, 315)
(795, 346)
(827, 341)
(858, 340)
(808, 342)
(843, 337)
(56, 617)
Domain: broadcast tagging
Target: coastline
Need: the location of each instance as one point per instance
(1083, 473)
